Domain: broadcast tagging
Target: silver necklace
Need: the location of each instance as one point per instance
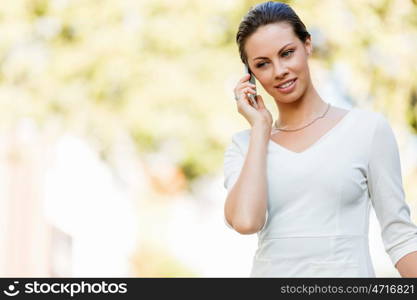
(322, 116)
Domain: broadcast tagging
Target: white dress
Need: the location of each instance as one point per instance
(319, 200)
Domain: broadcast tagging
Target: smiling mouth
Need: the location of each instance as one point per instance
(286, 85)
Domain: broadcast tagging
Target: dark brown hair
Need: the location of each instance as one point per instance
(268, 13)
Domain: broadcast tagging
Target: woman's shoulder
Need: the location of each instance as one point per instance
(240, 139)
(366, 112)
(241, 135)
(370, 123)
(362, 117)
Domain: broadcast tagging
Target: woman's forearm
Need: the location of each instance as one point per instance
(246, 204)
(407, 265)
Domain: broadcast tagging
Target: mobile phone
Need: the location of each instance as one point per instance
(253, 81)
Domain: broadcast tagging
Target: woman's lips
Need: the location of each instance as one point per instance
(289, 88)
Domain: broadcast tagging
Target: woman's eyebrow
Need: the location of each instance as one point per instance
(263, 57)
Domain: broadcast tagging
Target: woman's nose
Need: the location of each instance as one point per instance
(280, 70)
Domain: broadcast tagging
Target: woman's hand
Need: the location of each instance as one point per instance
(260, 115)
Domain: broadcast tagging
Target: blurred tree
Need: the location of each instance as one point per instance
(159, 69)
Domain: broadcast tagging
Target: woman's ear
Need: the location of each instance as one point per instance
(309, 46)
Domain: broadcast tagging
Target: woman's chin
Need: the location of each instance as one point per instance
(287, 99)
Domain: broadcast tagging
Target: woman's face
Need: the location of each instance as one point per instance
(275, 55)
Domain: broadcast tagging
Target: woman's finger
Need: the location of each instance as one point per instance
(260, 101)
(244, 92)
(243, 98)
(244, 78)
(239, 87)
(249, 90)
(248, 84)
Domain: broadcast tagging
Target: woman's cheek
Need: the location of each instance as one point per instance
(265, 82)
(265, 85)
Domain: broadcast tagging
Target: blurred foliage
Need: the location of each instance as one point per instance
(412, 110)
(166, 69)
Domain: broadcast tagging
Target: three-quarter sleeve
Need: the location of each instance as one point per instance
(399, 233)
(233, 163)
(234, 159)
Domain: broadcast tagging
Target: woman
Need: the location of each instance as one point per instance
(305, 183)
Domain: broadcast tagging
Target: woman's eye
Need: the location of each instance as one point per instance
(285, 54)
(288, 52)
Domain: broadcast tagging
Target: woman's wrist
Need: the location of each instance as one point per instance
(262, 126)
(262, 130)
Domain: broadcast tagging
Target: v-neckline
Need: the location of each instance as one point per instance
(318, 141)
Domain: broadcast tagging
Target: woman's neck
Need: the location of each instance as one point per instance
(301, 111)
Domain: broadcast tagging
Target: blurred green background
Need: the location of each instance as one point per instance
(114, 117)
